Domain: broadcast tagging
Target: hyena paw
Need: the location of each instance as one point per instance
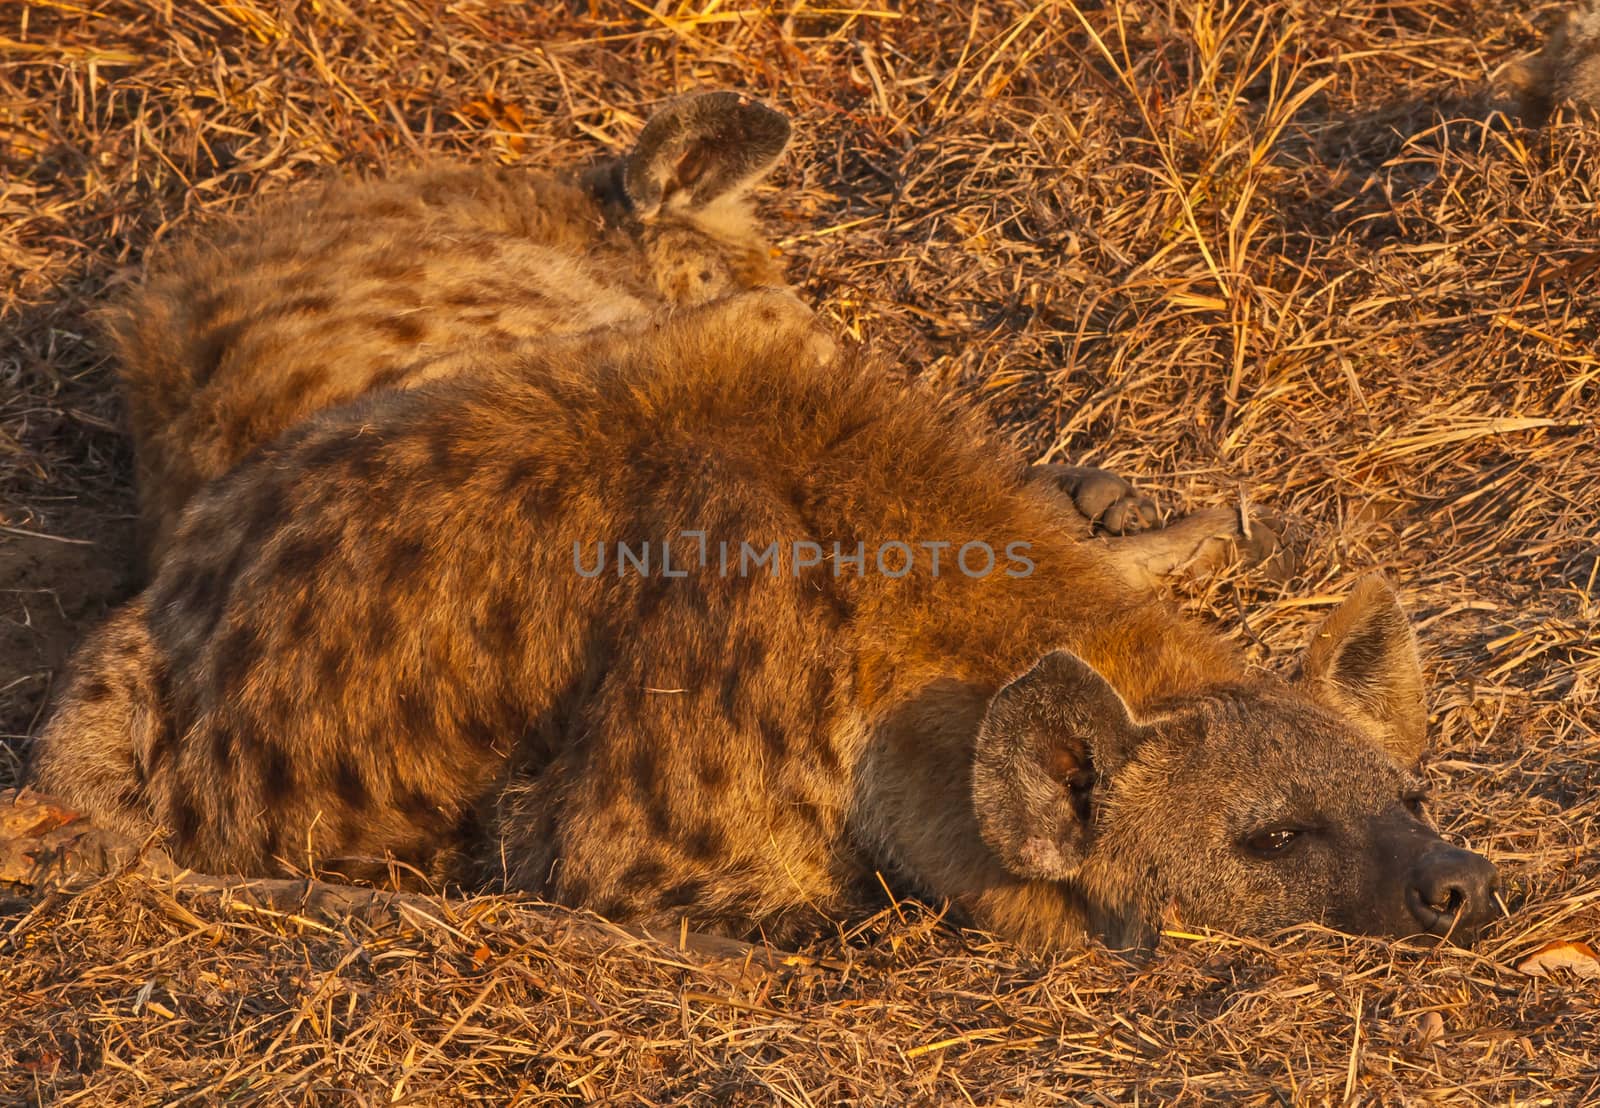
(779, 312)
(1271, 544)
(1104, 499)
(42, 839)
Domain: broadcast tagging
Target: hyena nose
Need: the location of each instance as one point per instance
(1452, 891)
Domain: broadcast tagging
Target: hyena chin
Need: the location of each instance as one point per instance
(370, 642)
(307, 302)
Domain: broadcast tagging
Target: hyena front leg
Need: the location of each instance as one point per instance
(1200, 543)
(109, 713)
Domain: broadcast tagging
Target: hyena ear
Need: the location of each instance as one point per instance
(1363, 663)
(1048, 740)
(700, 148)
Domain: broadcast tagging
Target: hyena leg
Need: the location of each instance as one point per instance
(108, 714)
(1200, 543)
(1101, 497)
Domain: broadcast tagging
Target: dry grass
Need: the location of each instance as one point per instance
(1284, 246)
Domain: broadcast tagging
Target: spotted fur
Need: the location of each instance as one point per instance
(309, 302)
(374, 641)
(1566, 70)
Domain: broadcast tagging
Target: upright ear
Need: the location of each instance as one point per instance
(1048, 740)
(1363, 663)
(700, 148)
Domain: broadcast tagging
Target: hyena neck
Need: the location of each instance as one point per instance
(982, 634)
(1154, 657)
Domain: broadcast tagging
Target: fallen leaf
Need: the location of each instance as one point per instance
(1430, 1028)
(1576, 958)
(501, 115)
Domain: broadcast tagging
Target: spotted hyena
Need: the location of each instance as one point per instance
(361, 285)
(687, 618)
(357, 285)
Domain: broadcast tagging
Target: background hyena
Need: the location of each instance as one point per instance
(371, 641)
(1566, 70)
(361, 285)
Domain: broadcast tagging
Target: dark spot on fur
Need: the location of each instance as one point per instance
(277, 775)
(164, 733)
(706, 843)
(207, 310)
(224, 745)
(304, 618)
(330, 450)
(402, 328)
(387, 376)
(331, 661)
(468, 830)
(501, 627)
(404, 562)
(300, 382)
(301, 557)
(643, 875)
(538, 492)
(658, 816)
(711, 771)
(819, 694)
(380, 630)
(394, 267)
(416, 713)
(419, 808)
(352, 833)
(267, 513)
(644, 765)
(650, 592)
(349, 783)
(313, 304)
(732, 684)
(682, 895)
(773, 739)
(448, 456)
(189, 585)
(811, 815)
(481, 733)
(236, 655)
(211, 345)
(95, 691)
(185, 820)
(389, 209)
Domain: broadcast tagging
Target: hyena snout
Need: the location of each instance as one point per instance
(1450, 891)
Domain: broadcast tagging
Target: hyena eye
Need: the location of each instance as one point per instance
(1271, 840)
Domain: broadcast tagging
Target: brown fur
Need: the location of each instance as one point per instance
(1566, 70)
(372, 641)
(359, 285)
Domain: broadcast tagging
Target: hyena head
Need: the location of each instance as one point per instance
(1246, 810)
(683, 193)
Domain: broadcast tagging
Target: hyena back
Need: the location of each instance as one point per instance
(375, 640)
(361, 285)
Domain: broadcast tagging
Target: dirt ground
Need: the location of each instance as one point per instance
(1298, 251)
